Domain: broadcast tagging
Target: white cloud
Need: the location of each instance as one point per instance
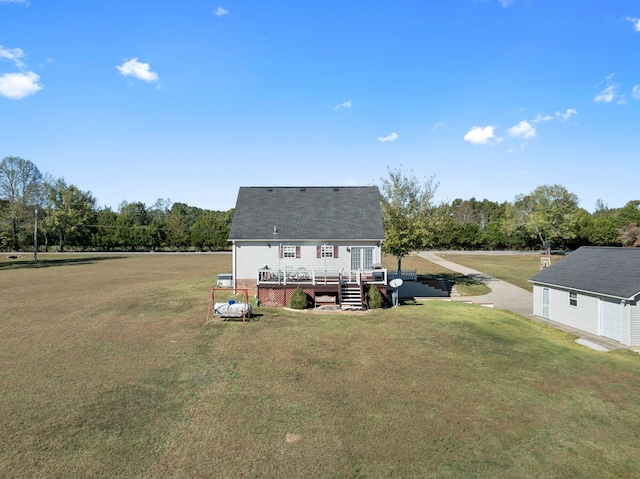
(481, 136)
(522, 130)
(636, 92)
(636, 23)
(392, 137)
(567, 114)
(542, 118)
(18, 85)
(221, 12)
(609, 93)
(13, 54)
(520, 148)
(344, 105)
(139, 70)
(504, 3)
(436, 127)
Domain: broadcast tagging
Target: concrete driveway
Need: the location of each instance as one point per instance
(503, 295)
(506, 296)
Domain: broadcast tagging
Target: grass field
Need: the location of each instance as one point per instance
(512, 268)
(109, 371)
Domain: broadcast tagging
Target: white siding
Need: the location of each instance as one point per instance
(584, 316)
(251, 256)
(634, 318)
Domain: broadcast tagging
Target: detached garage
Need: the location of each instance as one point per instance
(593, 289)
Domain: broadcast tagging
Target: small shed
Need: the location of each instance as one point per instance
(593, 289)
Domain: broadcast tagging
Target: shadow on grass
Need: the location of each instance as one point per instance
(409, 302)
(47, 263)
(253, 318)
(466, 283)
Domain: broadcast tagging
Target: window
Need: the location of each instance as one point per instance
(289, 251)
(326, 251)
(361, 258)
(573, 298)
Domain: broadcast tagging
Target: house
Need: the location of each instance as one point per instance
(593, 289)
(324, 239)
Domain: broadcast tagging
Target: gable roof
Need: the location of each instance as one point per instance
(308, 213)
(608, 271)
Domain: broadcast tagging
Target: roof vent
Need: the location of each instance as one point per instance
(303, 189)
(336, 189)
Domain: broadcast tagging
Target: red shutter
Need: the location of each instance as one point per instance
(318, 251)
(298, 255)
(335, 251)
(281, 251)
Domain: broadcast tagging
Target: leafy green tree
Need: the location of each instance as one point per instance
(549, 213)
(406, 207)
(598, 229)
(133, 227)
(211, 230)
(629, 213)
(70, 211)
(104, 236)
(495, 236)
(176, 228)
(20, 187)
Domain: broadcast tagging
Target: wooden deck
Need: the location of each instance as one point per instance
(303, 276)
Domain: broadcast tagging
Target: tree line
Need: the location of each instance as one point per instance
(37, 208)
(548, 218)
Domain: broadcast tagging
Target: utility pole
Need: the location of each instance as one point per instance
(35, 239)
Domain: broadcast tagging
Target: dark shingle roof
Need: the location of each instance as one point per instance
(608, 271)
(307, 213)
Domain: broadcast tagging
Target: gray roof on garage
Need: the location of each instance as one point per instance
(308, 213)
(607, 271)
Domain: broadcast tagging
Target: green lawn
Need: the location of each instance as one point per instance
(109, 371)
(512, 268)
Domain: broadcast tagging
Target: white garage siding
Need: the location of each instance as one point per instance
(583, 316)
(634, 319)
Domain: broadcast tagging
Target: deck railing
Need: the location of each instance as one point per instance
(304, 276)
(405, 275)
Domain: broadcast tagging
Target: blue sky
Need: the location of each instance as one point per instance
(191, 99)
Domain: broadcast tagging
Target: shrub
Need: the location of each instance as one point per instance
(298, 299)
(375, 297)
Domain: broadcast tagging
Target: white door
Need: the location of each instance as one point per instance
(545, 303)
(361, 259)
(610, 319)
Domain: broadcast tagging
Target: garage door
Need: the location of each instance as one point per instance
(610, 319)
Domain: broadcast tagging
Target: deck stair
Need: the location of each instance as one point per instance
(351, 296)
